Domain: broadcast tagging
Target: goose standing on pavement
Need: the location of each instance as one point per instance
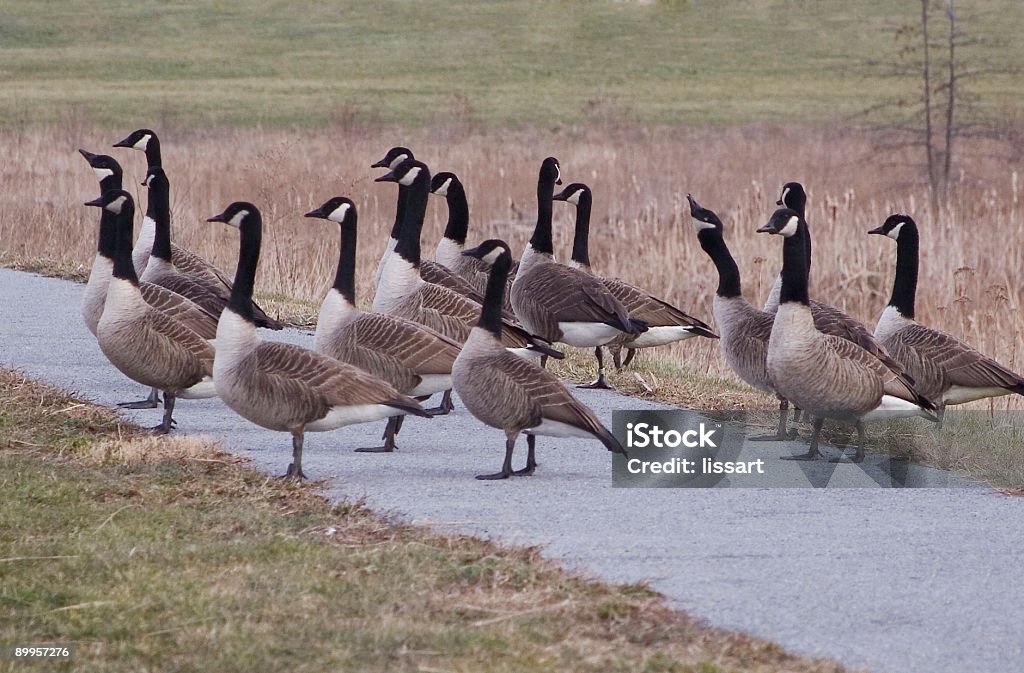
(144, 343)
(453, 243)
(559, 303)
(744, 329)
(281, 386)
(95, 296)
(414, 359)
(431, 272)
(825, 375)
(665, 323)
(945, 369)
(513, 394)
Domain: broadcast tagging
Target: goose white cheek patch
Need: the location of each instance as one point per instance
(142, 143)
(574, 198)
(397, 160)
(894, 233)
(116, 205)
(700, 225)
(338, 214)
(410, 177)
(443, 189)
(492, 256)
(102, 173)
(236, 221)
(790, 227)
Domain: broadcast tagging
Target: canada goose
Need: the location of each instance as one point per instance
(413, 358)
(825, 375)
(178, 308)
(403, 292)
(184, 261)
(431, 272)
(281, 386)
(665, 323)
(827, 318)
(945, 369)
(513, 394)
(146, 344)
(744, 329)
(557, 302)
(453, 243)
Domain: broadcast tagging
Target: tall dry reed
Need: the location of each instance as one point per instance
(971, 247)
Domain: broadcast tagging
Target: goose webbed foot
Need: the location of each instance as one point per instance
(390, 430)
(294, 473)
(859, 455)
(168, 422)
(295, 467)
(531, 460)
(446, 407)
(506, 467)
(151, 402)
(598, 384)
(493, 477)
(812, 453)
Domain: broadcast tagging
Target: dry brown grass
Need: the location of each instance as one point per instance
(971, 247)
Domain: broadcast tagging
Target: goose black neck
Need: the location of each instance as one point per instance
(494, 296)
(123, 266)
(904, 287)
(794, 267)
(541, 240)
(159, 210)
(345, 278)
(153, 152)
(248, 259)
(107, 244)
(412, 222)
(458, 214)
(713, 243)
(581, 235)
(403, 195)
(109, 182)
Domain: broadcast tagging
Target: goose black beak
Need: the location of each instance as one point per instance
(387, 177)
(127, 142)
(767, 229)
(779, 202)
(218, 218)
(878, 230)
(383, 163)
(560, 196)
(97, 202)
(472, 252)
(89, 156)
(558, 181)
(319, 212)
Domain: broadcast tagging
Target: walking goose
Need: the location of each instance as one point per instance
(160, 270)
(945, 369)
(744, 329)
(432, 272)
(557, 302)
(665, 323)
(184, 261)
(144, 343)
(453, 243)
(95, 296)
(281, 386)
(413, 358)
(404, 293)
(825, 375)
(513, 394)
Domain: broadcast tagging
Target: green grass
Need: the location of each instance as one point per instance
(271, 62)
(167, 554)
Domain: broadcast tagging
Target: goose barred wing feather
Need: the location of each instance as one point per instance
(858, 371)
(190, 351)
(476, 272)
(453, 315)
(410, 343)
(653, 311)
(555, 293)
(533, 395)
(180, 309)
(832, 321)
(958, 363)
(320, 382)
(195, 266)
(439, 274)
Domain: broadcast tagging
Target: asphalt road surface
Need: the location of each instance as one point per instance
(892, 579)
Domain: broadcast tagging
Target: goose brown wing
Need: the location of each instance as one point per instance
(830, 320)
(643, 306)
(529, 386)
(191, 264)
(318, 379)
(857, 364)
(570, 295)
(180, 309)
(407, 343)
(439, 274)
(190, 351)
(961, 364)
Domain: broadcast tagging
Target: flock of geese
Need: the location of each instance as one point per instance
(477, 321)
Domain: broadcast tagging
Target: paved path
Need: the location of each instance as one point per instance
(928, 580)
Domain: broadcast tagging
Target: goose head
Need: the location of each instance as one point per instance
(703, 219)
(406, 173)
(112, 200)
(490, 251)
(102, 165)
(137, 140)
(575, 193)
(443, 183)
(240, 214)
(395, 156)
(339, 209)
(793, 197)
(784, 222)
(550, 172)
(894, 224)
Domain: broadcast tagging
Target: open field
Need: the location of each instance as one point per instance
(281, 64)
(184, 557)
